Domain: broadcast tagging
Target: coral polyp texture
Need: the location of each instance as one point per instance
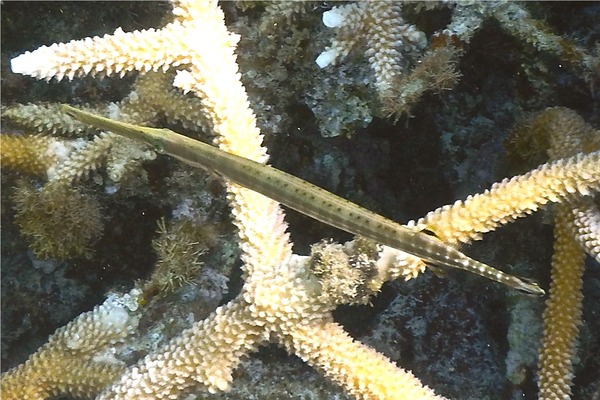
(576, 232)
(227, 281)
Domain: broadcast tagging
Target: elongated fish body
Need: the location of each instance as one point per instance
(304, 197)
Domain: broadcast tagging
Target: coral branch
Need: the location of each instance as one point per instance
(364, 373)
(285, 297)
(77, 359)
(516, 197)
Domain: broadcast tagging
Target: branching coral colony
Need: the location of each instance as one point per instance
(286, 298)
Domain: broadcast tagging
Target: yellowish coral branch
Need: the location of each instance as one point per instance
(562, 316)
(516, 197)
(44, 118)
(77, 359)
(205, 354)
(281, 296)
(567, 134)
(365, 373)
(586, 218)
(30, 154)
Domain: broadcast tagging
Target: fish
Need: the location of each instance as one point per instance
(304, 197)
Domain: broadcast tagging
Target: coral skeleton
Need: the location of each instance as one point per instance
(576, 232)
(189, 75)
(405, 67)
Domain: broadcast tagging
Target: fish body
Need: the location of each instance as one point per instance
(305, 198)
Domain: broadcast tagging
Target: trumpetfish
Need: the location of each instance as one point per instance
(304, 197)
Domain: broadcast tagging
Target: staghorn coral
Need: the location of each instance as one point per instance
(386, 36)
(30, 154)
(78, 357)
(586, 219)
(44, 118)
(319, 357)
(406, 64)
(562, 315)
(507, 200)
(264, 310)
(68, 161)
(390, 46)
(566, 134)
(558, 132)
(533, 189)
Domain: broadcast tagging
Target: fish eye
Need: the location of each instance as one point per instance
(429, 232)
(158, 146)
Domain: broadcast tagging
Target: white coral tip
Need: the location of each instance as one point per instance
(23, 64)
(183, 80)
(326, 58)
(38, 64)
(332, 19)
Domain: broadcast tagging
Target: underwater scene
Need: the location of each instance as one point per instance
(399, 200)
